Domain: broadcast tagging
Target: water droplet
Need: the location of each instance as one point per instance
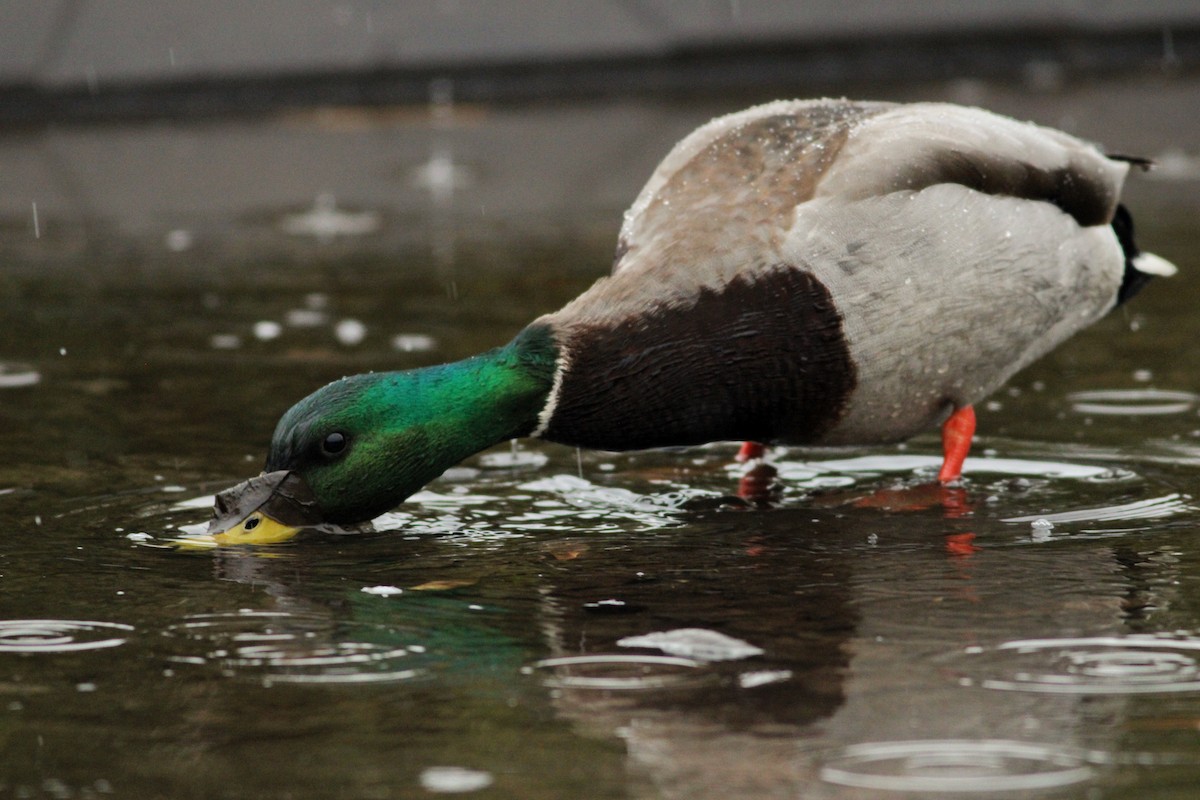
(325, 221)
(511, 460)
(225, 341)
(305, 318)
(413, 342)
(383, 591)
(441, 176)
(454, 780)
(749, 680)
(266, 330)
(178, 240)
(350, 332)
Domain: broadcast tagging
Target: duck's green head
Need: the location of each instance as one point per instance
(364, 443)
(359, 446)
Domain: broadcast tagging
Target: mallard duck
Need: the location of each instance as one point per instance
(819, 272)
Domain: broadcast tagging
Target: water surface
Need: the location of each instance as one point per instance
(547, 623)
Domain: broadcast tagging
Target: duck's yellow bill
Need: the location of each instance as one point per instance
(257, 528)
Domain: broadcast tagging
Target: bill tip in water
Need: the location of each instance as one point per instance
(268, 509)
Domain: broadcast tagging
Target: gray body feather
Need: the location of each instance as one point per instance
(952, 246)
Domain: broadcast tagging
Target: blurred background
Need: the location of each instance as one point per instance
(233, 130)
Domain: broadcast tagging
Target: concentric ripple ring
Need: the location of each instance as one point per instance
(1132, 402)
(283, 647)
(958, 766)
(621, 672)
(1101, 665)
(58, 635)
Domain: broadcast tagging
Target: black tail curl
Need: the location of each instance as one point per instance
(1134, 278)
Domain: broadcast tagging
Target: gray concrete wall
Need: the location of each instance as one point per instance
(96, 43)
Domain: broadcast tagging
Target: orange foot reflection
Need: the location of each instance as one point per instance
(961, 544)
(952, 499)
(758, 484)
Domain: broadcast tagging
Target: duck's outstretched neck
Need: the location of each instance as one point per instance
(469, 405)
(497, 395)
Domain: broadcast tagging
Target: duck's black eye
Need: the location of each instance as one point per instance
(334, 444)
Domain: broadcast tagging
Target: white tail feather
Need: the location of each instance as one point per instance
(1154, 265)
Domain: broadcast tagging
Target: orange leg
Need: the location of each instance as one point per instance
(956, 443)
(750, 451)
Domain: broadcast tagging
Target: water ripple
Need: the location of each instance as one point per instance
(1132, 402)
(58, 635)
(990, 765)
(621, 672)
(1101, 665)
(819, 474)
(557, 502)
(1152, 508)
(282, 647)
(15, 376)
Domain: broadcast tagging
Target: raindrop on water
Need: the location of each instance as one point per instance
(382, 591)
(350, 332)
(179, 240)
(413, 342)
(305, 318)
(266, 330)
(225, 341)
(455, 780)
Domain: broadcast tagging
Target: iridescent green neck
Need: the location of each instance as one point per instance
(406, 428)
(469, 405)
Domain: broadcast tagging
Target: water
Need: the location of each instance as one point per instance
(545, 624)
